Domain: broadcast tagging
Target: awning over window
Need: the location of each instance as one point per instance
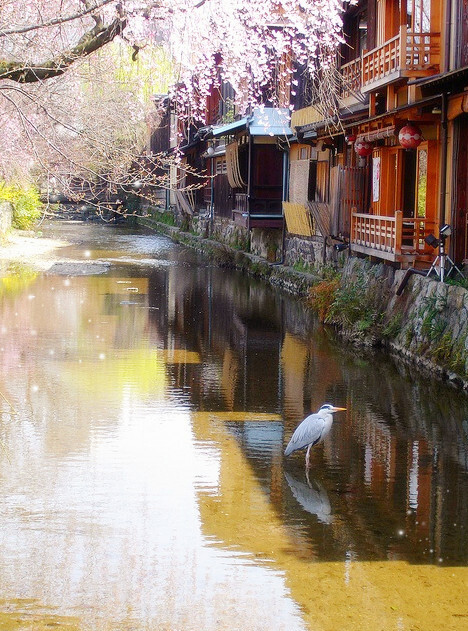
(270, 121)
(457, 105)
(266, 121)
(231, 128)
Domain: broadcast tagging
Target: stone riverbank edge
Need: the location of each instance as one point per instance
(427, 325)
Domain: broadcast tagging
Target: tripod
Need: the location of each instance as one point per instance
(439, 265)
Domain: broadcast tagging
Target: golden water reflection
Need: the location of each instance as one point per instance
(350, 595)
(142, 483)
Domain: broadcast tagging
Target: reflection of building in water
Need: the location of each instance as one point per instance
(235, 326)
(294, 363)
(387, 461)
(405, 455)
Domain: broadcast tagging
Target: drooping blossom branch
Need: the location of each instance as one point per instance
(45, 45)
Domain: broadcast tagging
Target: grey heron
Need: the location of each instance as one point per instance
(312, 430)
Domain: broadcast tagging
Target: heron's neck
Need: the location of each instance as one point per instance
(328, 423)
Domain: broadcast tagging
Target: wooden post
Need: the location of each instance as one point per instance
(403, 46)
(353, 221)
(403, 14)
(398, 230)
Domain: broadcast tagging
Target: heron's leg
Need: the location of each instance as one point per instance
(307, 457)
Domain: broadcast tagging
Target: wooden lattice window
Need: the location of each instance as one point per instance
(221, 166)
(419, 16)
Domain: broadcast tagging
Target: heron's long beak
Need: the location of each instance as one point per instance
(339, 409)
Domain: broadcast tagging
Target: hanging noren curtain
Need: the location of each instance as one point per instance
(232, 163)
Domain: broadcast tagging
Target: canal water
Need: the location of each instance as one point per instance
(146, 397)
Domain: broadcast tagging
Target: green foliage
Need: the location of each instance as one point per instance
(27, 206)
(16, 279)
(437, 341)
(230, 112)
(458, 281)
(133, 203)
(330, 272)
(185, 224)
(165, 217)
(352, 306)
(241, 243)
(393, 327)
(433, 324)
(422, 192)
(348, 305)
(302, 266)
(449, 353)
(150, 72)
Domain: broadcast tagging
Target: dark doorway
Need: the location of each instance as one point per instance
(409, 183)
(461, 190)
(267, 180)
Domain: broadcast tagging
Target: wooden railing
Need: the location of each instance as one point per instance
(351, 84)
(393, 235)
(379, 233)
(405, 53)
(413, 234)
(241, 202)
(381, 62)
(422, 51)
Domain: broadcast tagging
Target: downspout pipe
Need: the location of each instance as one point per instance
(284, 198)
(448, 35)
(443, 160)
(444, 134)
(211, 196)
(409, 272)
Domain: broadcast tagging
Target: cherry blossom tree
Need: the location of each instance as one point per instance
(53, 51)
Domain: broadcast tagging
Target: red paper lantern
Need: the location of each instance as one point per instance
(350, 139)
(410, 136)
(363, 148)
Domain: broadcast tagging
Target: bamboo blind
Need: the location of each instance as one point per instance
(299, 181)
(322, 188)
(322, 215)
(298, 219)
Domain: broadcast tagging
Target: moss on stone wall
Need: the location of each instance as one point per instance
(427, 324)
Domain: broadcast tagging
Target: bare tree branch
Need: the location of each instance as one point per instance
(91, 41)
(55, 21)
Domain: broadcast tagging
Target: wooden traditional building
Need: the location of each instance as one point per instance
(396, 169)
(378, 174)
(254, 162)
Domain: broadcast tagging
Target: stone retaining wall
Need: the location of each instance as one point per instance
(427, 324)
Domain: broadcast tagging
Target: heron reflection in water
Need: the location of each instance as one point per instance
(312, 497)
(312, 430)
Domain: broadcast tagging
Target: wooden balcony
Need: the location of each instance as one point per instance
(257, 212)
(405, 55)
(351, 83)
(392, 238)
